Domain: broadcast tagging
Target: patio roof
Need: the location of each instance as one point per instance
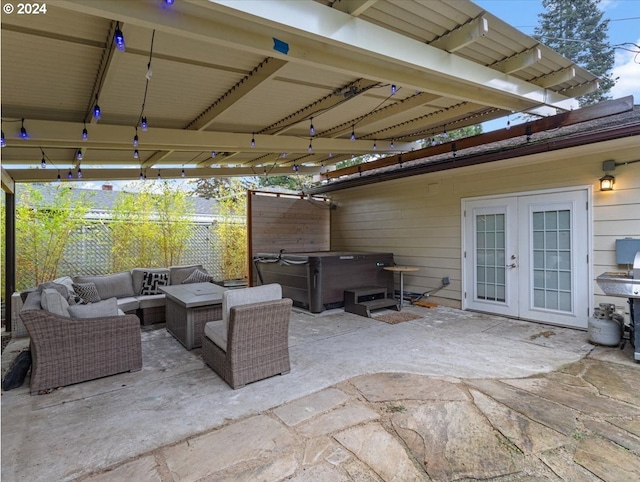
(225, 73)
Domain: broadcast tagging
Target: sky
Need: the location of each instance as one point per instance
(624, 27)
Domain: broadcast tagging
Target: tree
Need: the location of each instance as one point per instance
(150, 228)
(43, 228)
(231, 230)
(576, 30)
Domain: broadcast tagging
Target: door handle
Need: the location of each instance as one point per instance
(512, 265)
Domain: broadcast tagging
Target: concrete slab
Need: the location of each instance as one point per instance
(348, 372)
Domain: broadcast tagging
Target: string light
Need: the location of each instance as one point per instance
(182, 173)
(310, 147)
(445, 134)
(118, 38)
(393, 89)
(85, 132)
(69, 174)
(253, 140)
(392, 145)
(143, 124)
(43, 162)
(159, 176)
(3, 141)
(23, 131)
(169, 2)
(136, 154)
(353, 132)
(375, 147)
(433, 141)
(312, 130)
(142, 176)
(97, 113)
(296, 168)
(135, 139)
(79, 154)
(58, 178)
(79, 173)
(213, 154)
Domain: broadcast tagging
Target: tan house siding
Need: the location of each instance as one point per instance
(419, 218)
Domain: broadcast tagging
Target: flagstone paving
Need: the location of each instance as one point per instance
(581, 422)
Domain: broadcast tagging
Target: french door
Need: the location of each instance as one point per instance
(527, 257)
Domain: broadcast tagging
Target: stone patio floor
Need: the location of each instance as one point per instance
(450, 396)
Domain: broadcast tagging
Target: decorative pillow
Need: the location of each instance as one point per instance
(198, 276)
(95, 310)
(52, 301)
(151, 283)
(87, 291)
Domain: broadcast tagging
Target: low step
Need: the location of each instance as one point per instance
(362, 300)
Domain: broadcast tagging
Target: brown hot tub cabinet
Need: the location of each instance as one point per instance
(317, 281)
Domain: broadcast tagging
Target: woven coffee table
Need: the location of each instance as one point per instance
(189, 307)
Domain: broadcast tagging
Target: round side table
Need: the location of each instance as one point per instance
(402, 270)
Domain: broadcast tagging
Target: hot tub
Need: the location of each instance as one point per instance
(316, 281)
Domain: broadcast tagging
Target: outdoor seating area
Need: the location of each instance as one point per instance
(348, 374)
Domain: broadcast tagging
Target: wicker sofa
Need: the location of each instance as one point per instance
(126, 286)
(65, 350)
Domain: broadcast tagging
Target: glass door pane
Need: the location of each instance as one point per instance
(490, 257)
(551, 243)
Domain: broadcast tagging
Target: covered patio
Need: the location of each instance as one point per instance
(511, 398)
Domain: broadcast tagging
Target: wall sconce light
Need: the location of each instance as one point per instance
(606, 182)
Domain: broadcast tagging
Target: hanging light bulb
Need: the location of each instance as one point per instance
(118, 38)
(143, 124)
(97, 113)
(159, 176)
(433, 141)
(3, 141)
(392, 145)
(149, 73)
(58, 178)
(310, 147)
(23, 131)
(323, 169)
(79, 173)
(85, 132)
(69, 174)
(353, 132)
(136, 154)
(141, 175)
(253, 140)
(43, 162)
(296, 167)
(375, 147)
(79, 154)
(312, 130)
(213, 154)
(135, 139)
(330, 155)
(169, 2)
(393, 89)
(445, 134)
(182, 173)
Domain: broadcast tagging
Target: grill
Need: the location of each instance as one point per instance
(626, 284)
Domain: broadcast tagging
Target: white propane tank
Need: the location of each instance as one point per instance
(605, 326)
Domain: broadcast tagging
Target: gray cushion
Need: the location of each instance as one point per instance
(198, 276)
(87, 292)
(137, 275)
(95, 310)
(245, 296)
(63, 284)
(181, 273)
(130, 303)
(32, 302)
(151, 301)
(119, 285)
(52, 301)
(215, 331)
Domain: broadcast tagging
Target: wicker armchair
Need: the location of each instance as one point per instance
(72, 350)
(257, 344)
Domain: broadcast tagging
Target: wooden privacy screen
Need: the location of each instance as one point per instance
(293, 223)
